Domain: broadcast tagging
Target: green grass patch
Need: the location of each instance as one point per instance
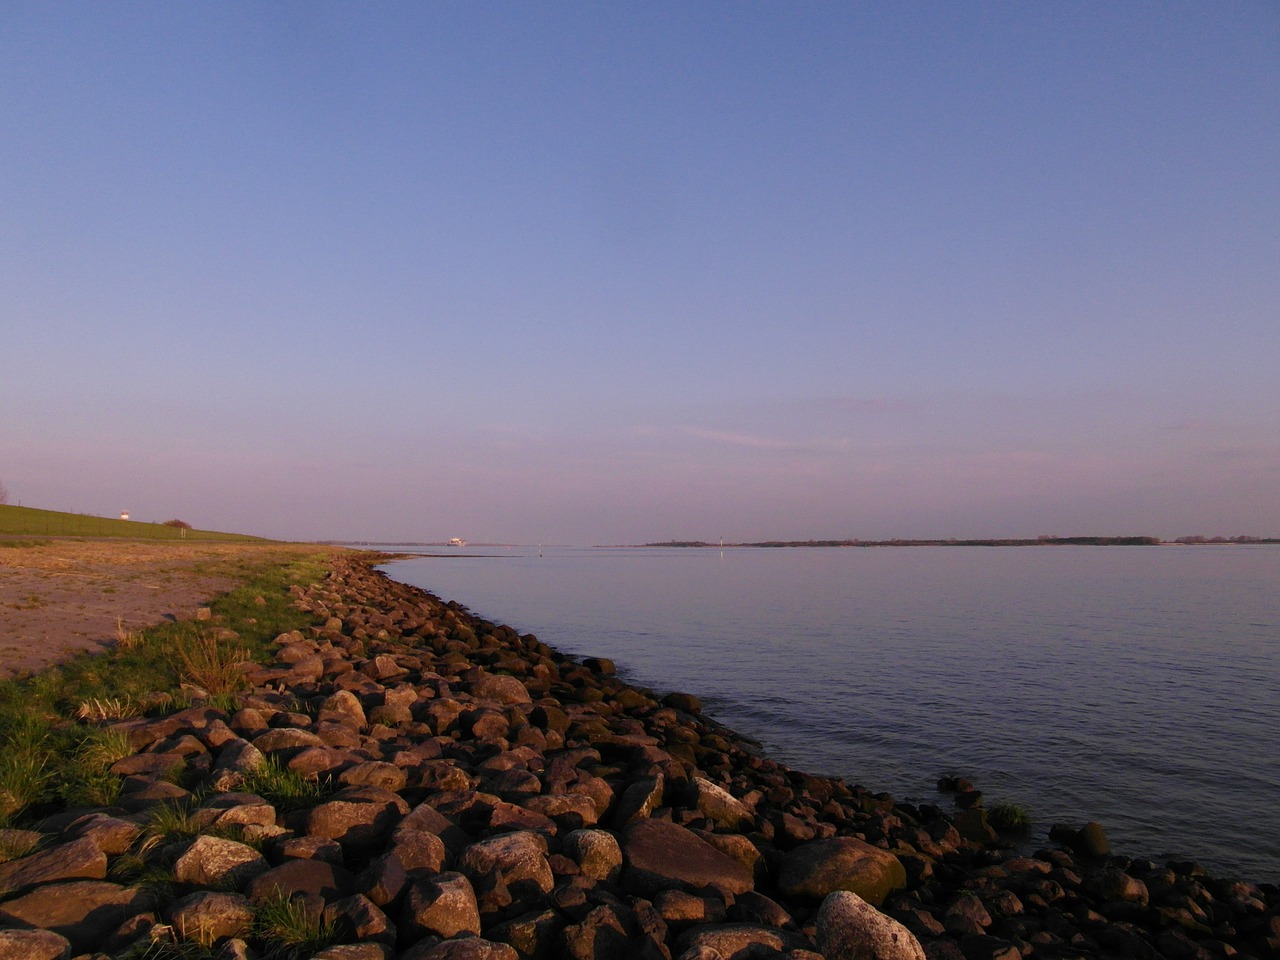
(285, 789)
(33, 522)
(289, 931)
(52, 747)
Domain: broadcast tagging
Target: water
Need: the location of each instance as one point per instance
(1136, 686)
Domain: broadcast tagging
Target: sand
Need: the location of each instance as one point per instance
(61, 597)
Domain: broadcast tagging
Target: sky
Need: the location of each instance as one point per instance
(592, 273)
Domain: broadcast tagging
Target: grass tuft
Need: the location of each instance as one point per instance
(285, 789)
(289, 931)
(210, 664)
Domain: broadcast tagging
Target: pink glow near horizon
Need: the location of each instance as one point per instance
(590, 276)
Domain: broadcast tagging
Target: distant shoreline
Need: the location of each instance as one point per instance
(1037, 542)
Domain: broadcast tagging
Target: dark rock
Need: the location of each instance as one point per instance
(601, 935)
(316, 877)
(658, 855)
(734, 940)
(463, 948)
(359, 918)
(822, 867)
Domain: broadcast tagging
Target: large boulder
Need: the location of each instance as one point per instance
(658, 855)
(33, 945)
(519, 859)
(849, 928)
(741, 940)
(85, 912)
(443, 906)
(214, 861)
(820, 867)
(326, 880)
(206, 916)
(78, 860)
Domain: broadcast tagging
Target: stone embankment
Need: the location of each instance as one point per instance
(488, 797)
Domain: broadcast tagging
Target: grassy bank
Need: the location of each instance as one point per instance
(53, 750)
(31, 522)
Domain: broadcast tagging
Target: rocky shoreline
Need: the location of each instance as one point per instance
(487, 797)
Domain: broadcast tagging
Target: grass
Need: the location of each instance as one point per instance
(289, 931)
(210, 664)
(29, 521)
(285, 789)
(42, 766)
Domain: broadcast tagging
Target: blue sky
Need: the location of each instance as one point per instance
(606, 273)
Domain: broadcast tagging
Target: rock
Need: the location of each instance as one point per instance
(686, 702)
(966, 915)
(417, 850)
(212, 861)
(235, 759)
(85, 912)
(78, 860)
(345, 705)
(444, 906)
(464, 948)
(500, 689)
(374, 773)
(359, 818)
(600, 935)
(596, 852)
(678, 907)
(734, 940)
(519, 859)
(531, 934)
(279, 739)
(1112, 885)
(206, 916)
(639, 800)
(658, 855)
(33, 945)
(359, 918)
(821, 867)
(325, 880)
(352, 951)
(719, 805)
(850, 928)
(383, 880)
(1092, 841)
(756, 908)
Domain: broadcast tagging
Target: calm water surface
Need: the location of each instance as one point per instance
(1136, 686)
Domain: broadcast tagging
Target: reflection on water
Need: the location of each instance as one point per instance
(1131, 685)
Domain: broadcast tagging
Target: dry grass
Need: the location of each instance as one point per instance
(211, 664)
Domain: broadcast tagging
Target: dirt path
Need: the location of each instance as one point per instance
(59, 597)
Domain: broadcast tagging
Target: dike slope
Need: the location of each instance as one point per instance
(486, 797)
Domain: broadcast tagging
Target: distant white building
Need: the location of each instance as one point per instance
(457, 542)
(124, 514)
